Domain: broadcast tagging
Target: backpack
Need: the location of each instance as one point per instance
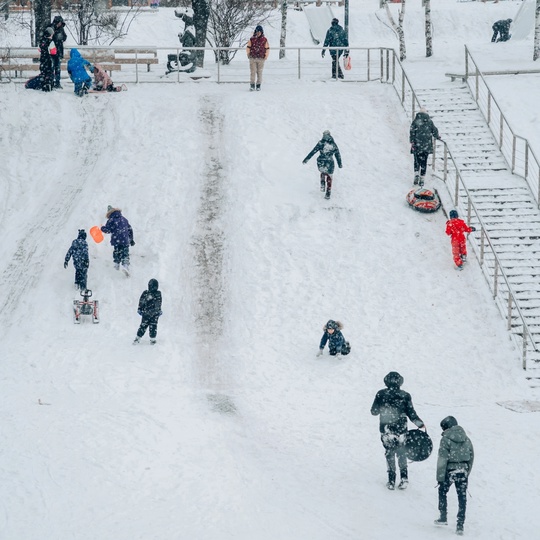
(346, 348)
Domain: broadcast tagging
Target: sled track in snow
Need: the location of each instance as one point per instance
(30, 257)
(208, 244)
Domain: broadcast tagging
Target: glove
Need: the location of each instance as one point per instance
(65, 264)
(132, 243)
(340, 166)
(160, 313)
(305, 161)
(319, 353)
(139, 312)
(346, 54)
(323, 52)
(473, 229)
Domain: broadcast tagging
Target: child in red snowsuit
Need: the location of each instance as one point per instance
(456, 229)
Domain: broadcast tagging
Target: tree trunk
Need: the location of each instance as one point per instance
(283, 35)
(536, 53)
(42, 11)
(429, 39)
(398, 29)
(201, 13)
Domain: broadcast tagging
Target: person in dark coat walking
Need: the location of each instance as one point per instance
(79, 252)
(59, 37)
(121, 237)
(76, 67)
(333, 336)
(454, 465)
(421, 136)
(336, 37)
(394, 406)
(46, 52)
(327, 149)
(150, 311)
(502, 29)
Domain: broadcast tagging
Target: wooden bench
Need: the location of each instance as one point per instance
(136, 56)
(463, 77)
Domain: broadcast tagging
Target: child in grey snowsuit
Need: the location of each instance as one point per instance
(336, 342)
(79, 252)
(150, 311)
(327, 149)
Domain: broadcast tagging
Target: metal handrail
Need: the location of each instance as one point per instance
(462, 200)
(516, 149)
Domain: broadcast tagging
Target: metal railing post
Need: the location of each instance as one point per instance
(513, 153)
(456, 192)
(482, 246)
(524, 350)
(299, 62)
(509, 323)
(136, 66)
(501, 129)
(495, 279)
(445, 162)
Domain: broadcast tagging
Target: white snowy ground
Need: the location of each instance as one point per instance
(230, 427)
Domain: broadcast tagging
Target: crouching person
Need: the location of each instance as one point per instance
(336, 342)
(150, 311)
(455, 462)
(76, 68)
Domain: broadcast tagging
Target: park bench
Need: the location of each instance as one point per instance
(463, 76)
(136, 56)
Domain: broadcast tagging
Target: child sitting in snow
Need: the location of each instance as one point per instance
(102, 81)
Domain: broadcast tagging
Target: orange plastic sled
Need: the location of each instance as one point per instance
(96, 234)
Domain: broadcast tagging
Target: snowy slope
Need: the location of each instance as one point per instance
(230, 427)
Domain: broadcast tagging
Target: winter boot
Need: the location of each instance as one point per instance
(463, 258)
(328, 192)
(152, 341)
(416, 179)
(459, 529)
(125, 269)
(459, 267)
(251, 87)
(421, 181)
(441, 521)
(391, 480)
(323, 184)
(403, 484)
(136, 340)
(258, 87)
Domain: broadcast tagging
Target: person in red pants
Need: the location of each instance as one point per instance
(456, 229)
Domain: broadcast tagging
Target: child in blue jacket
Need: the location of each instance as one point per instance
(76, 68)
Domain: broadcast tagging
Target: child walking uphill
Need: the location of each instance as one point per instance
(79, 252)
(336, 342)
(456, 229)
(76, 68)
(327, 149)
(121, 237)
(150, 311)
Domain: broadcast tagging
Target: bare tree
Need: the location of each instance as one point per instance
(201, 14)
(536, 53)
(88, 21)
(429, 39)
(283, 35)
(398, 28)
(229, 20)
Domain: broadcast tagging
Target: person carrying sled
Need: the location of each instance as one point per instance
(333, 336)
(394, 406)
(421, 135)
(150, 311)
(502, 29)
(257, 50)
(81, 262)
(327, 149)
(454, 465)
(456, 229)
(336, 37)
(77, 66)
(121, 237)
(59, 37)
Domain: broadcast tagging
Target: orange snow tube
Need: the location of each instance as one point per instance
(96, 234)
(424, 200)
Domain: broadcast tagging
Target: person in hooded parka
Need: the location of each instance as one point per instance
(76, 67)
(46, 71)
(502, 29)
(328, 149)
(421, 135)
(336, 37)
(332, 335)
(394, 406)
(454, 465)
(150, 311)
(79, 252)
(59, 37)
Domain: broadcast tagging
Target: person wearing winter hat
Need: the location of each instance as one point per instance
(456, 229)
(336, 37)
(150, 311)
(421, 135)
(257, 51)
(454, 465)
(59, 37)
(394, 406)
(336, 342)
(121, 237)
(327, 149)
(502, 29)
(81, 262)
(46, 52)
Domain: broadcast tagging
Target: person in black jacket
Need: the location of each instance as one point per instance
(336, 37)
(59, 37)
(46, 46)
(421, 136)
(79, 252)
(502, 29)
(394, 406)
(150, 311)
